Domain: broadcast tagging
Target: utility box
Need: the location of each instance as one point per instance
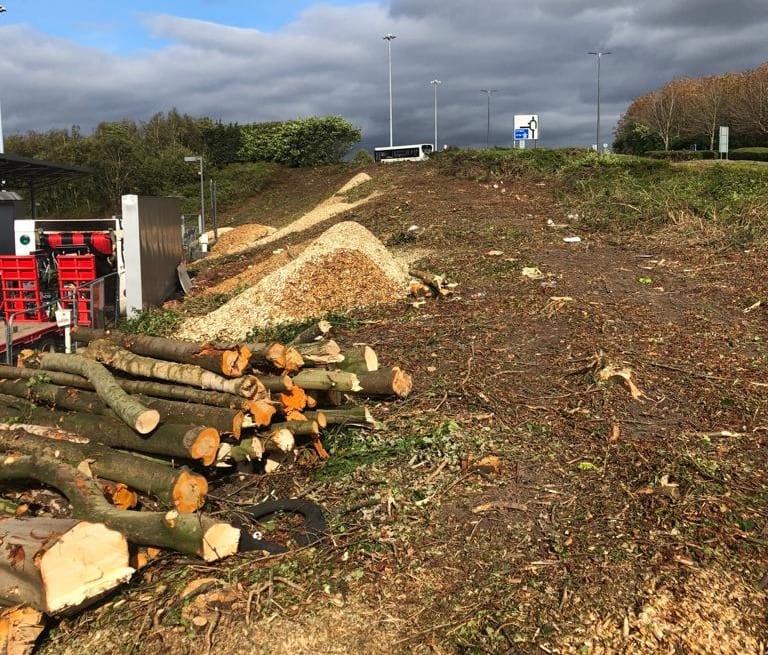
(11, 210)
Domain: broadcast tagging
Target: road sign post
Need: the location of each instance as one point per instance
(526, 128)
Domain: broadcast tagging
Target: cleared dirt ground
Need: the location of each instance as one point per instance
(605, 522)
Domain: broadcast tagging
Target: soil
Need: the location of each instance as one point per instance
(514, 502)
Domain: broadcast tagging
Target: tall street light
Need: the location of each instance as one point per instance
(389, 38)
(488, 92)
(435, 83)
(201, 224)
(599, 56)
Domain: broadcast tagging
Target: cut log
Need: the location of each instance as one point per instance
(322, 380)
(171, 439)
(267, 355)
(146, 387)
(140, 418)
(178, 488)
(20, 626)
(60, 565)
(313, 333)
(106, 352)
(281, 440)
(359, 359)
(295, 399)
(171, 411)
(246, 451)
(320, 353)
(357, 415)
(386, 382)
(119, 494)
(229, 362)
(259, 413)
(187, 533)
(299, 428)
(434, 282)
(275, 383)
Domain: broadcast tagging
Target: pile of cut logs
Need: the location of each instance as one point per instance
(132, 416)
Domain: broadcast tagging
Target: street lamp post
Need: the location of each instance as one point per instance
(389, 38)
(201, 223)
(599, 56)
(488, 92)
(435, 83)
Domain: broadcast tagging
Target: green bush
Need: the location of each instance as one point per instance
(749, 154)
(681, 155)
(306, 142)
(361, 159)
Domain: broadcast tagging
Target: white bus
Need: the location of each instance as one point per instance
(417, 152)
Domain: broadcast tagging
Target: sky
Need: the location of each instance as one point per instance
(81, 62)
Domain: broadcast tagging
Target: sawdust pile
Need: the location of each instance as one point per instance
(346, 267)
(712, 613)
(232, 240)
(329, 208)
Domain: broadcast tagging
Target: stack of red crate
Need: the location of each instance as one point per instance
(21, 288)
(75, 272)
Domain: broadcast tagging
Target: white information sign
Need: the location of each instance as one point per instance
(526, 126)
(723, 140)
(63, 317)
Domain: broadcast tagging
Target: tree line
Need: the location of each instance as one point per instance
(688, 112)
(147, 158)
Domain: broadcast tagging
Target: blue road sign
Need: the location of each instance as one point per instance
(521, 134)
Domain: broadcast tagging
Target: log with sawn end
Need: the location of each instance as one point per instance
(321, 380)
(179, 488)
(169, 439)
(314, 332)
(152, 388)
(229, 362)
(386, 382)
(358, 415)
(189, 533)
(59, 565)
(130, 410)
(108, 353)
(359, 359)
(320, 353)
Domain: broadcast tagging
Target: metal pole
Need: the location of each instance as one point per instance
(488, 92)
(388, 38)
(435, 83)
(599, 55)
(202, 199)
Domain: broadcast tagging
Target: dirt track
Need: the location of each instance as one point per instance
(611, 524)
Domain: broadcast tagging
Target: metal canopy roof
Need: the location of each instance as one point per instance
(24, 173)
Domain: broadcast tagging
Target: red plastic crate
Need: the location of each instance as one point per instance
(75, 272)
(20, 286)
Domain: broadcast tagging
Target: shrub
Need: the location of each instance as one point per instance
(361, 159)
(681, 155)
(749, 154)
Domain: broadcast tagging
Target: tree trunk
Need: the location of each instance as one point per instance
(322, 380)
(169, 439)
(312, 333)
(361, 359)
(140, 418)
(230, 362)
(320, 353)
(171, 411)
(146, 387)
(178, 488)
(356, 415)
(60, 565)
(108, 353)
(187, 533)
(386, 382)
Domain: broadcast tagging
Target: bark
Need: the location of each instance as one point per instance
(171, 411)
(140, 418)
(108, 353)
(267, 355)
(312, 333)
(187, 533)
(245, 451)
(360, 359)
(306, 428)
(20, 626)
(229, 362)
(178, 488)
(276, 382)
(386, 382)
(169, 439)
(321, 380)
(59, 565)
(146, 387)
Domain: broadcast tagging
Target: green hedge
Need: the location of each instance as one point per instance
(307, 142)
(681, 155)
(750, 154)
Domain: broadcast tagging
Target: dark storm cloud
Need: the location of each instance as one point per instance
(332, 60)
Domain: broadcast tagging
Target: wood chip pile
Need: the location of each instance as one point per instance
(346, 267)
(135, 421)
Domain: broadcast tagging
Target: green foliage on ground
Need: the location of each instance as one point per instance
(749, 154)
(681, 155)
(152, 322)
(621, 192)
